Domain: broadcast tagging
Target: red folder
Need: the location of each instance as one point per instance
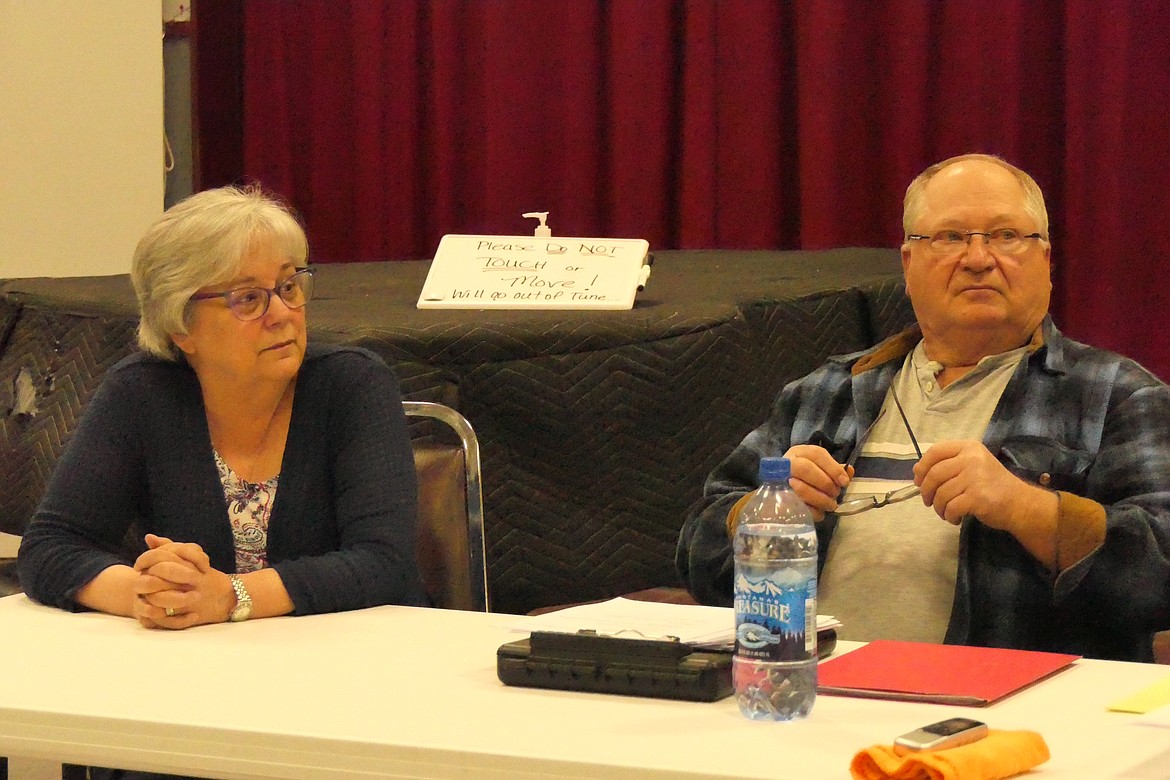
(943, 674)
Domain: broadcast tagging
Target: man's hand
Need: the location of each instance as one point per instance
(960, 478)
(816, 478)
(177, 587)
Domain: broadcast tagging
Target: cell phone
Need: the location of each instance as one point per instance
(948, 733)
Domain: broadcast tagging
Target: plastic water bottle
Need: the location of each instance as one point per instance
(775, 548)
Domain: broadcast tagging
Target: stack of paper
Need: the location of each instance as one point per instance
(702, 626)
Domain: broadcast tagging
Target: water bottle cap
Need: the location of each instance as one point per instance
(775, 469)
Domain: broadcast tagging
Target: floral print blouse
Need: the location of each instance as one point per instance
(249, 507)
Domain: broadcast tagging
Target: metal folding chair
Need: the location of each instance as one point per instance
(452, 550)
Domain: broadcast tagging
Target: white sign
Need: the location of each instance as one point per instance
(527, 272)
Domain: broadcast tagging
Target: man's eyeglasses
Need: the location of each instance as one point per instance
(251, 303)
(859, 505)
(1004, 241)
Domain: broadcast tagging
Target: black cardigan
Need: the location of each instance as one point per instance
(342, 530)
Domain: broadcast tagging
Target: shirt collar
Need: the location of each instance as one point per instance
(899, 345)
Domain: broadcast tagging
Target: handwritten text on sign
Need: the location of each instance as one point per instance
(517, 272)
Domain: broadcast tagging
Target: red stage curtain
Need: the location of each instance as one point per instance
(720, 123)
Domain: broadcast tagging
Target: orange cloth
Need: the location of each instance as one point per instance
(1000, 754)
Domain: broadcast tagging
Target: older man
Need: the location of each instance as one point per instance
(978, 479)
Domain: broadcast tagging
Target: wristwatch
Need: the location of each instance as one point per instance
(243, 608)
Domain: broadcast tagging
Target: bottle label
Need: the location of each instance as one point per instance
(775, 618)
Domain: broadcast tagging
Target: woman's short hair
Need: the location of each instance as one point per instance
(1033, 196)
(200, 242)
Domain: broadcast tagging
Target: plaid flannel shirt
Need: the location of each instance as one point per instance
(1090, 424)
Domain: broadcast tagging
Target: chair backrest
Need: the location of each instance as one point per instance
(452, 552)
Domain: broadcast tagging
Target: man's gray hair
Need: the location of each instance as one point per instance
(200, 242)
(1033, 197)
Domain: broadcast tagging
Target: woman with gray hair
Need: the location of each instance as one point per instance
(252, 473)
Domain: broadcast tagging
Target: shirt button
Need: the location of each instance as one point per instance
(930, 387)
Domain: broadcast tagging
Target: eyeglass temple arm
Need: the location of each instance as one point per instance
(853, 456)
(909, 430)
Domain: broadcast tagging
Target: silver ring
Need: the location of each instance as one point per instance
(170, 612)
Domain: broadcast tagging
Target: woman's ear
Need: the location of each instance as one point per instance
(183, 342)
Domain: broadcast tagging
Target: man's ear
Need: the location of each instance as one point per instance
(906, 264)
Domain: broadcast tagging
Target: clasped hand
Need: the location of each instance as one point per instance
(177, 587)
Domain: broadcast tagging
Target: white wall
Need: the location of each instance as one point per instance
(81, 134)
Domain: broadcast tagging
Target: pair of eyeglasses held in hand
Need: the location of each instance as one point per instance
(251, 303)
(858, 505)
